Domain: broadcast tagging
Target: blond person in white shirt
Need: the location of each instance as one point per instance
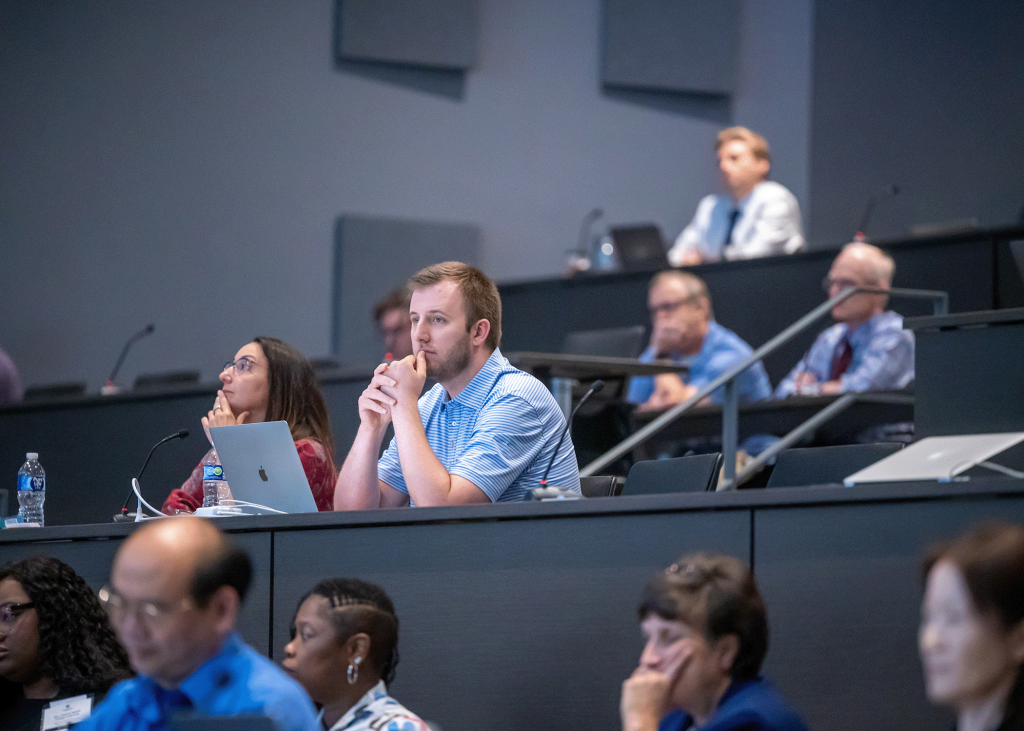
(755, 217)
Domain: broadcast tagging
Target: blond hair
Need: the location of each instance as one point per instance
(479, 294)
(758, 145)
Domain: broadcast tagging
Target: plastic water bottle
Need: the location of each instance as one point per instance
(214, 484)
(31, 490)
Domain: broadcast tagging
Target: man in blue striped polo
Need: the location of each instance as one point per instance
(484, 433)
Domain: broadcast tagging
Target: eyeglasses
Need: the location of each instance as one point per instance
(668, 308)
(148, 613)
(241, 365)
(11, 611)
(827, 284)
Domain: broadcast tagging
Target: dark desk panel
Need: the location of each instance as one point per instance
(844, 581)
(527, 610)
(524, 619)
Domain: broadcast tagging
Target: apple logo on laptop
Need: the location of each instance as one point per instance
(263, 474)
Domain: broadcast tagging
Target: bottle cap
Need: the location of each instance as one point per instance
(32, 455)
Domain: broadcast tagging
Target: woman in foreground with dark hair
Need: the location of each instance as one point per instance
(972, 627)
(55, 641)
(344, 651)
(269, 380)
(706, 633)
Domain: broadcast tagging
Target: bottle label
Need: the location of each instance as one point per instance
(212, 472)
(28, 483)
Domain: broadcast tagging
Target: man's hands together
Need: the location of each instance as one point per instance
(394, 386)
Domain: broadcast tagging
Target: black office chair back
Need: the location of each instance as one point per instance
(168, 381)
(826, 465)
(50, 391)
(697, 473)
(3, 504)
(614, 342)
(601, 485)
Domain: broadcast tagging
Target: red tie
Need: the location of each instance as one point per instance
(841, 361)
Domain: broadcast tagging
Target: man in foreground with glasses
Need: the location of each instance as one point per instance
(867, 349)
(175, 590)
(684, 331)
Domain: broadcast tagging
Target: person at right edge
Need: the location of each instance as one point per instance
(706, 633)
(756, 216)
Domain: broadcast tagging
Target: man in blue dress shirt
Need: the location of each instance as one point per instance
(867, 349)
(684, 331)
(486, 431)
(174, 594)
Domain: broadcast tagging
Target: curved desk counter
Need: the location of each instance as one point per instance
(518, 616)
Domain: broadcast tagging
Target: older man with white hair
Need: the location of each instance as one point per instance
(867, 349)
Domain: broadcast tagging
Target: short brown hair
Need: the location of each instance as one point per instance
(758, 144)
(717, 596)
(396, 299)
(479, 293)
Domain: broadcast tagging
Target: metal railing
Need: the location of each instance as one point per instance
(730, 400)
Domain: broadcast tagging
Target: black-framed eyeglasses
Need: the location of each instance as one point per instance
(146, 612)
(11, 611)
(242, 365)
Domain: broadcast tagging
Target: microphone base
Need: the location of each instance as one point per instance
(124, 518)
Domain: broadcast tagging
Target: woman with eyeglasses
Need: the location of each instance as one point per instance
(706, 633)
(344, 651)
(55, 642)
(971, 636)
(269, 380)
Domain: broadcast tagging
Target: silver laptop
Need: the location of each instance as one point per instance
(263, 467)
(936, 458)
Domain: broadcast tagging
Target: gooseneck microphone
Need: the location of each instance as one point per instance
(870, 208)
(583, 244)
(594, 388)
(127, 346)
(177, 435)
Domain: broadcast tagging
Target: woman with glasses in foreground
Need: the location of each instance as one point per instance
(344, 651)
(270, 381)
(972, 627)
(55, 642)
(706, 633)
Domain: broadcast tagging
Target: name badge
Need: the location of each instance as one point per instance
(61, 714)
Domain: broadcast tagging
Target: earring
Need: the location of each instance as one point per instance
(353, 671)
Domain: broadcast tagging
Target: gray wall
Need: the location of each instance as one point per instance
(183, 163)
(926, 94)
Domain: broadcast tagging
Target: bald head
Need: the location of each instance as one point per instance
(860, 265)
(874, 266)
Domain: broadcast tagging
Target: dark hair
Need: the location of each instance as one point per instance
(226, 564)
(990, 557)
(78, 649)
(717, 596)
(479, 294)
(357, 606)
(294, 394)
(396, 299)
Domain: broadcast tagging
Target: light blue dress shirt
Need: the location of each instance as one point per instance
(237, 681)
(722, 350)
(883, 356)
(499, 433)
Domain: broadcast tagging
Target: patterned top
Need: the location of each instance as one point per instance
(319, 472)
(883, 356)
(377, 711)
(722, 350)
(238, 681)
(768, 225)
(499, 433)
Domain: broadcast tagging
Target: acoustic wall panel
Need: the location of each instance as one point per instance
(676, 46)
(433, 33)
(372, 256)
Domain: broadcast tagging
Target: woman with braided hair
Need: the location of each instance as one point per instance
(344, 650)
(55, 641)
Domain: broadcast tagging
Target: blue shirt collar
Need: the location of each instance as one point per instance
(863, 333)
(476, 391)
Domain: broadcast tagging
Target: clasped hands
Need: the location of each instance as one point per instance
(221, 415)
(647, 694)
(394, 385)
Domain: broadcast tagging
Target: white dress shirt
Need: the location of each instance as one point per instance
(768, 225)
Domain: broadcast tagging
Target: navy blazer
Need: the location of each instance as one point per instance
(747, 705)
